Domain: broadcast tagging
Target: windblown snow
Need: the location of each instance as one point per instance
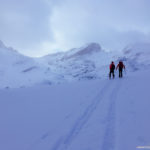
(66, 102)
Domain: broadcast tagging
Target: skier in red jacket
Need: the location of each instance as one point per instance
(112, 68)
(120, 66)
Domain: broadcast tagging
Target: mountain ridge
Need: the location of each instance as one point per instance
(84, 63)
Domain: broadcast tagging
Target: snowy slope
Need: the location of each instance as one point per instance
(137, 56)
(89, 115)
(17, 70)
(86, 63)
(91, 61)
(12, 65)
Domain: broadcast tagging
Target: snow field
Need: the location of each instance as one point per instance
(100, 114)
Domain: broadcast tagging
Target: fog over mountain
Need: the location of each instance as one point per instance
(40, 27)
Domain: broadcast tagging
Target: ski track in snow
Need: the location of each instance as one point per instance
(109, 135)
(63, 144)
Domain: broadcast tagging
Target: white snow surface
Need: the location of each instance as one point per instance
(65, 101)
(17, 70)
(87, 115)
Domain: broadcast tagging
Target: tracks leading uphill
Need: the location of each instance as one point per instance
(65, 142)
(109, 138)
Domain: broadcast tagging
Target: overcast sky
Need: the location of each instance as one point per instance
(39, 27)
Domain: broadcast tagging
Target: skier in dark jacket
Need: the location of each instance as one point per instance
(112, 68)
(120, 66)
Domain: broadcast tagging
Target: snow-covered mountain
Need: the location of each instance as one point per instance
(85, 63)
(88, 62)
(91, 61)
(137, 56)
(17, 70)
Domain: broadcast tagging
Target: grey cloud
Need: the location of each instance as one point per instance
(24, 24)
(102, 21)
(44, 26)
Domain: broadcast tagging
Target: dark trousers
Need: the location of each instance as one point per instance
(111, 73)
(120, 73)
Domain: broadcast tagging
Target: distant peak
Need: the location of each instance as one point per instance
(94, 46)
(89, 48)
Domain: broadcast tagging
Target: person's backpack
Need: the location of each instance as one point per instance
(112, 67)
(121, 64)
